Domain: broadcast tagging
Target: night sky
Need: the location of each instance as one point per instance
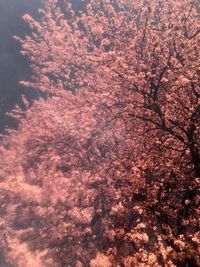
(13, 66)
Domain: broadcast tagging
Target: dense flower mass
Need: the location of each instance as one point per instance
(104, 170)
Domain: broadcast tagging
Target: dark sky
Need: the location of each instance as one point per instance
(13, 67)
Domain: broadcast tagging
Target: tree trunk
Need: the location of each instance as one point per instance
(195, 160)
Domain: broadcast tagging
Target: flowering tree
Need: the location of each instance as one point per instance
(111, 157)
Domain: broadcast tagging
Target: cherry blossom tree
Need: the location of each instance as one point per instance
(106, 168)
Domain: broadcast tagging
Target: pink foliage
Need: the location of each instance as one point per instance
(105, 170)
